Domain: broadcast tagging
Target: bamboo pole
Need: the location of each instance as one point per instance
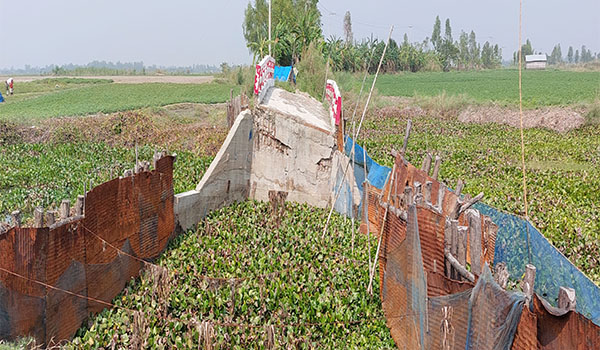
(357, 132)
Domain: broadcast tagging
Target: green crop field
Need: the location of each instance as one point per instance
(42, 99)
(540, 88)
(312, 290)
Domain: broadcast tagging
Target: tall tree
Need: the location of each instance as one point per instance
(448, 51)
(348, 28)
(497, 56)
(570, 55)
(556, 55)
(463, 49)
(474, 57)
(436, 36)
(576, 59)
(296, 23)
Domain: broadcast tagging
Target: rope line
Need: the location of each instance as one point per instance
(177, 319)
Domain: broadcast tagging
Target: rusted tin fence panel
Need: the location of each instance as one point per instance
(22, 303)
(133, 214)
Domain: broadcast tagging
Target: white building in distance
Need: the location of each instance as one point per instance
(536, 61)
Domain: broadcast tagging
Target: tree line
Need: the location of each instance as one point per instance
(556, 56)
(297, 23)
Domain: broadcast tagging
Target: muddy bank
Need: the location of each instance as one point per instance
(561, 119)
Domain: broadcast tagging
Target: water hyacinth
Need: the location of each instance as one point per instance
(276, 284)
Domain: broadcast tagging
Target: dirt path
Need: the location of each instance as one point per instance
(126, 79)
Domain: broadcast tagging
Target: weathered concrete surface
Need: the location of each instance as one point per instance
(293, 148)
(226, 180)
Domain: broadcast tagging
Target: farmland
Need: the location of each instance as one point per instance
(71, 97)
(540, 88)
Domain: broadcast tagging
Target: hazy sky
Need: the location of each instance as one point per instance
(177, 32)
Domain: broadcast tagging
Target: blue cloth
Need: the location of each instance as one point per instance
(1, 98)
(376, 174)
(282, 73)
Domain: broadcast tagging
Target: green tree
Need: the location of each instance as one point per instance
(556, 55)
(436, 36)
(474, 51)
(576, 59)
(295, 23)
(526, 49)
(448, 51)
(463, 50)
(570, 55)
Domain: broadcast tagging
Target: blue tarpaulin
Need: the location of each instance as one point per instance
(282, 73)
(1, 98)
(376, 174)
(553, 270)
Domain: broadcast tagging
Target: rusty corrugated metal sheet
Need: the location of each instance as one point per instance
(133, 213)
(22, 303)
(65, 269)
(431, 232)
(526, 335)
(570, 331)
(394, 234)
(439, 285)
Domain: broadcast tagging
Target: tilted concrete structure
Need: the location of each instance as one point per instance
(287, 143)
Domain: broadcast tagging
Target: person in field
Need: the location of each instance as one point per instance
(9, 86)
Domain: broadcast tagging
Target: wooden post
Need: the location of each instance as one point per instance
(566, 298)
(427, 192)
(460, 269)
(454, 242)
(462, 246)
(441, 195)
(426, 163)
(418, 193)
(448, 246)
(474, 220)
(38, 217)
(501, 275)
(16, 218)
(406, 135)
(79, 204)
(436, 167)
(528, 281)
(50, 217)
(459, 187)
(65, 209)
(469, 202)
